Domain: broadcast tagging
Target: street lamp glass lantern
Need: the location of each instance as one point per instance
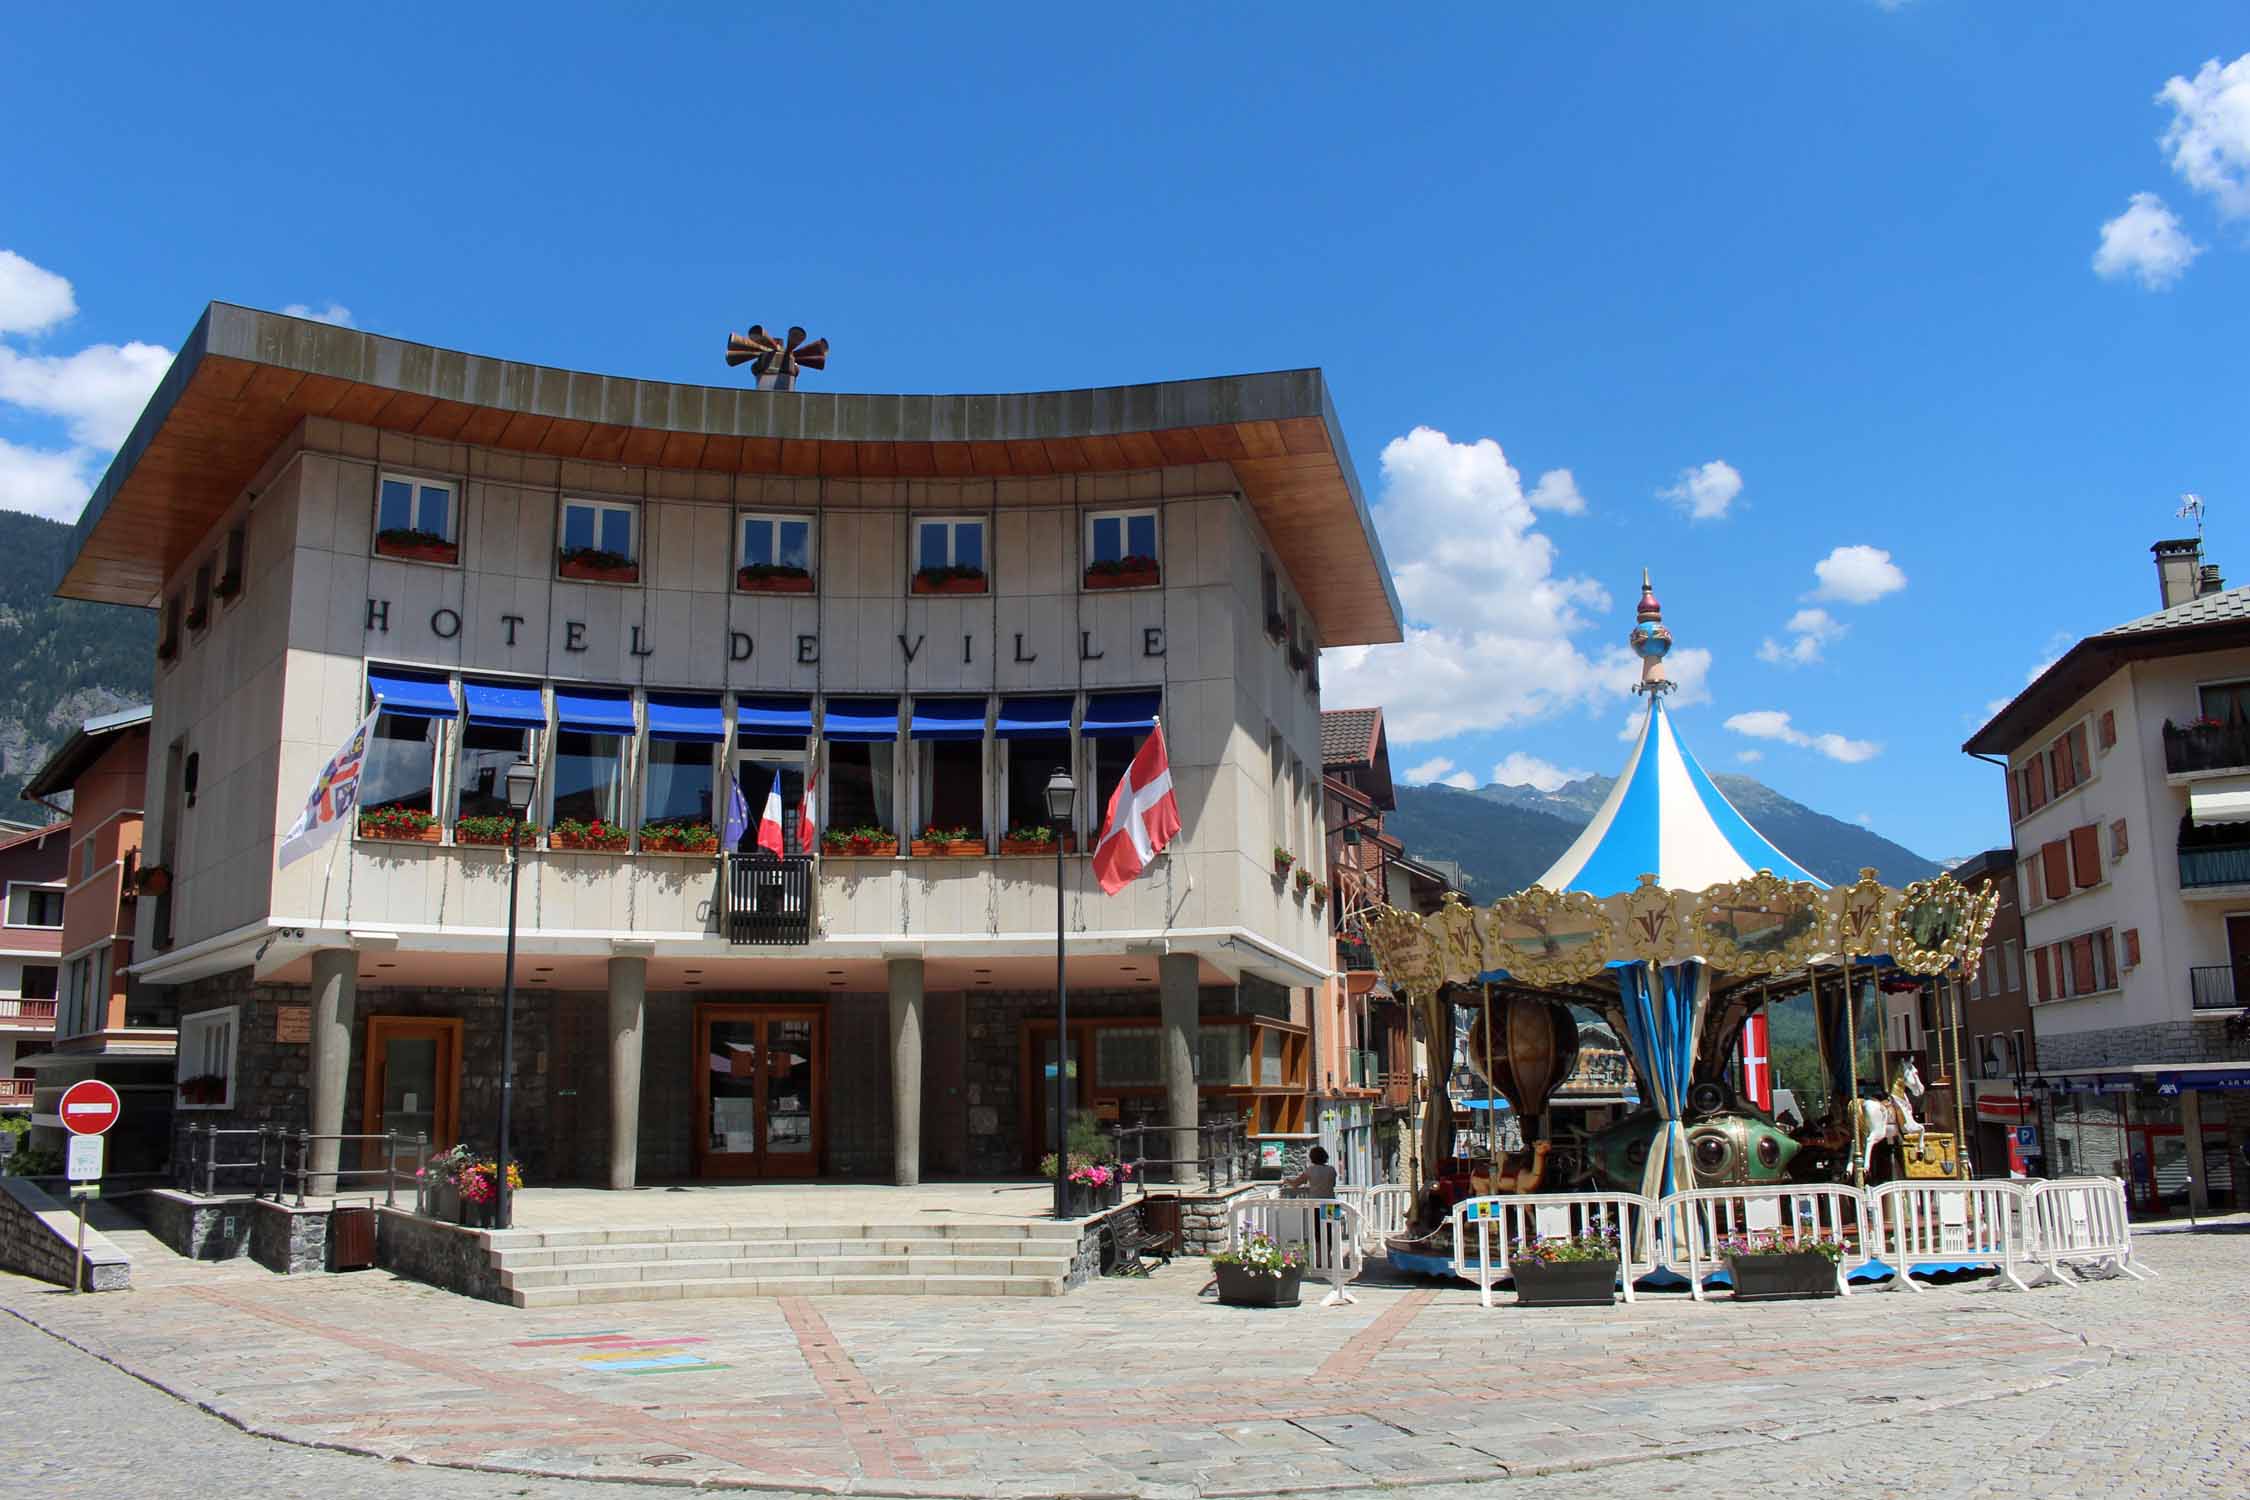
(1062, 794)
(522, 778)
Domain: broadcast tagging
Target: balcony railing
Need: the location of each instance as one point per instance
(15, 1093)
(769, 900)
(2219, 986)
(2210, 747)
(2216, 864)
(1351, 954)
(27, 1010)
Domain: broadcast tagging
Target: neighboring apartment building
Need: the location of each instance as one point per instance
(659, 594)
(1363, 1079)
(2128, 784)
(32, 867)
(1999, 1043)
(107, 1026)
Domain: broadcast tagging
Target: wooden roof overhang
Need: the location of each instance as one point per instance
(244, 379)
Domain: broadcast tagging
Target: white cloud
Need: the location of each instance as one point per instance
(2146, 243)
(1440, 770)
(1865, 820)
(1520, 768)
(1773, 724)
(1749, 757)
(2209, 136)
(32, 298)
(1812, 629)
(1557, 490)
(1490, 619)
(1857, 575)
(334, 312)
(1706, 490)
(46, 483)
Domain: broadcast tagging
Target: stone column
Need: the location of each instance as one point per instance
(1179, 978)
(906, 1070)
(628, 1004)
(2191, 1138)
(335, 1011)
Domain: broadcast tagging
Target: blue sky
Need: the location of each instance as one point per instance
(1837, 273)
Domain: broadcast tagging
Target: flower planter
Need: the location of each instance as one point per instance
(198, 618)
(427, 552)
(593, 572)
(1771, 1278)
(1239, 1286)
(772, 583)
(950, 585)
(1565, 1283)
(529, 838)
(429, 835)
(1027, 846)
(1135, 578)
(866, 849)
(1085, 1198)
(228, 585)
(963, 849)
(703, 850)
(1113, 1195)
(608, 843)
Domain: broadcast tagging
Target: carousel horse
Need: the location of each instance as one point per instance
(1510, 1177)
(1890, 1119)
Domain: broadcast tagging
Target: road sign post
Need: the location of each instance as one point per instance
(89, 1107)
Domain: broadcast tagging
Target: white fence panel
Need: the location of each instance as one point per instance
(2082, 1222)
(1953, 1221)
(1384, 1210)
(1486, 1230)
(1328, 1229)
(1694, 1226)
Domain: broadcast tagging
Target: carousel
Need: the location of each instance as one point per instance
(1673, 920)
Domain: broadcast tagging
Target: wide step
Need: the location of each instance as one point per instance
(789, 1286)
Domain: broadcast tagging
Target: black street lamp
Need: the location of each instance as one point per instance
(1062, 797)
(522, 778)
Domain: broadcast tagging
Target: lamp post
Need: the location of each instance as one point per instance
(1062, 797)
(521, 779)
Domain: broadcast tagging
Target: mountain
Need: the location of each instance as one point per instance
(62, 661)
(1505, 837)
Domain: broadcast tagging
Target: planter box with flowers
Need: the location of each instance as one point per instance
(203, 1091)
(1259, 1273)
(1566, 1271)
(594, 565)
(950, 581)
(493, 832)
(947, 843)
(1282, 860)
(680, 838)
(1319, 894)
(462, 1188)
(772, 578)
(597, 837)
(1767, 1267)
(409, 545)
(1304, 879)
(1036, 840)
(198, 616)
(400, 825)
(859, 843)
(1123, 573)
(227, 585)
(153, 880)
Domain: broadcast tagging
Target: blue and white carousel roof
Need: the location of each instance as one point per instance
(1664, 816)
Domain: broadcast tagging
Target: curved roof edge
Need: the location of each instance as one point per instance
(244, 378)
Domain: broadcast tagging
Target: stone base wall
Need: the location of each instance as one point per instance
(39, 1238)
(1204, 1219)
(1097, 1238)
(2121, 1046)
(444, 1255)
(289, 1241)
(200, 1228)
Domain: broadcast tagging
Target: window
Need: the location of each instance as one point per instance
(35, 906)
(1129, 1057)
(207, 1058)
(597, 536)
(772, 551)
(39, 981)
(2082, 965)
(589, 776)
(2132, 941)
(2034, 888)
(2106, 737)
(1277, 789)
(951, 774)
(487, 750)
(199, 605)
(861, 791)
(401, 764)
(191, 776)
(2054, 871)
(1270, 590)
(87, 848)
(168, 636)
(414, 510)
(229, 583)
(678, 788)
(2011, 966)
(949, 555)
(757, 773)
(2226, 702)
(1121, 549)
(1031, 760)
(1109, 758)
(2022, 1056)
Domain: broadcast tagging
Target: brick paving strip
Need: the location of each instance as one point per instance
(884, 1451)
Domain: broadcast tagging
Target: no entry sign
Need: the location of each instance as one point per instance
(89, 1107)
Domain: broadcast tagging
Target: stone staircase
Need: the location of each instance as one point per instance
(654, 1263)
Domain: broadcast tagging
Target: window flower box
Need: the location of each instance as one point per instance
(205, 1089)
(228, 585)
(680, 838)
(947, 843)
(1123, 573)
(198, 617)
(1036, 841)
(593, 565)
(153, 880)
(858, 843)
(400, 825)
(772, 578)
(1767, 1267)
(951, 581)
(1282, 860)
(1304, 879)
(492, 832)
(408, 545)
(596, 837)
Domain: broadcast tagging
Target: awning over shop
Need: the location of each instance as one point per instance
(783, 716)
(1028, 718)
(2223, 801)
(508, 705)
(687, 716)
(859, 720)
(2004, 1106)
(413, 694)
(947, 719)
(1109, 715)
(593, 710)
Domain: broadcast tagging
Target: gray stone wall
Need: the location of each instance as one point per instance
(200, 1228)
(1097, 1241)
(289, 1241)
(444, 1255)
(668, 1066)
(1204, 1220)
(2119, 1046)
(859, 1086)
(39, 1237)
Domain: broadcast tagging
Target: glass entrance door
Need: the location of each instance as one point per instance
(761, 1073)
(1051, 1128)
(412, 1083)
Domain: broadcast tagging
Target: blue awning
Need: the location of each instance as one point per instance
(1111, 714)
(686, 716)
(412, 694)
(511, 705)
(859, 720)
(594, 710)
(1024, 718)
(773, 715)
(947, 719)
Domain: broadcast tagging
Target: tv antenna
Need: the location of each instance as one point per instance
(2191, 508)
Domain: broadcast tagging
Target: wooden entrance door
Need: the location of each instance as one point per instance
(413, 1080)
(761, 1072)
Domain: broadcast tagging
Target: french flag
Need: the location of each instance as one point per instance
(769, 821)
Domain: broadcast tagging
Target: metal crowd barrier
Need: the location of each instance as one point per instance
(1979, 1220)
(1520, 1218)
(1328, 1228)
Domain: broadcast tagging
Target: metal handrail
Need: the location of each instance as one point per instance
(1220, 1146)
(276, 1163)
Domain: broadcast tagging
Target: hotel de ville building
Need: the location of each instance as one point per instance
(653, 595)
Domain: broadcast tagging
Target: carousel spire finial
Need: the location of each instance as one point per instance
(1651, 641)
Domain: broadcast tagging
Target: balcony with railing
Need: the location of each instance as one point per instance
(2205, 748)
(2214, 857)
(27, 1015)
(15, 1093)
(769, 899)
(2214, 987)
(1354, 955)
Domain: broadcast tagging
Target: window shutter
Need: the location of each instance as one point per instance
(2036, 775)
(2015, 799)
(2082, 964)
(2028, 868)
(2058, 766)
(2039, 966)
(2082, 764)
(2117, 843)
(2056, 854)
(2108, 735)
(2086, 855)
(2132, 947)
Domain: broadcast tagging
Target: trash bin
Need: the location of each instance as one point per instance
(1160, 1225)
(351, 1237)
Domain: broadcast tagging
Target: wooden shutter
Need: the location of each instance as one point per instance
(2058, 766)
(2015, 799)
(2108, 735)
(2039, 967)
(2086, 855)
(2132, 947)
(2082, 764)
(2035, 790)
(2117, 842)
(2056, 878)
(2027, 870)
(2081, 964)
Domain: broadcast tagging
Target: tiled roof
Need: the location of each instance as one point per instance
(1347, 735)
(2210, 609)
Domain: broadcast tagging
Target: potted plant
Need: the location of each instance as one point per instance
(204, 1088)
(943, 580)
(407, 825)
(862, 841)
(198, 616)
(772, 578)
(945, 843)
(598, 835)
(1090, 1187)
(463, 1187)
(412, 545)
(1259, 1273)
(492, 830)
(1134, 572)
(153, 880)
(1282, 860)
(1035, 838)
(228, 584)
(835, 841)
(1577, 1270)
(1304, 879)
(685, 836)
(1319, 894)
(1767, 1266)
(597, 565)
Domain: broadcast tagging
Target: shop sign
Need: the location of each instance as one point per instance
(2168, 1085)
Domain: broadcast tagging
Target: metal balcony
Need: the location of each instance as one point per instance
(2214, 865)
(2192, 749)
(2218, 986)
(769, 900)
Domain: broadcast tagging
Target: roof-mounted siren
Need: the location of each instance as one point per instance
(774, 361)
(1651, 642)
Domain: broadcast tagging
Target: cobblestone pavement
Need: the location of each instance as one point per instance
(2114, 1388)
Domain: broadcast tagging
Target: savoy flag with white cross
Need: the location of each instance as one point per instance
(1142, 817)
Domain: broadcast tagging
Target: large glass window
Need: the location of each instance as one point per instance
(598, 526)
(679, 783)
(860, 790)
(754, 773)
(1108, 761)
(1113, 536)
(776, 545)
(948, 549)
(35, 906)
(1030, 762)
(589, 777)
(39, 981)
(406, 504)
(401, 766)
(1127, 1057)
(487, 750)
(951, 774)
